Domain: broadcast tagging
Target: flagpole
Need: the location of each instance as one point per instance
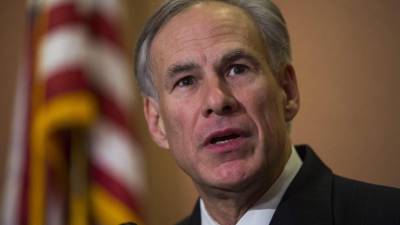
(79, 177)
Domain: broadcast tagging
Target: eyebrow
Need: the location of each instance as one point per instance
(231, 56)
(175, 69)
(234, 55)
(178, 68)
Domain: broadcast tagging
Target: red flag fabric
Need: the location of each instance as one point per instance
(74, 158)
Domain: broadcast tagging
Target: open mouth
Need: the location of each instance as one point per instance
(224, 138)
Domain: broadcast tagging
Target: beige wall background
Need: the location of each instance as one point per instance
(347, 59)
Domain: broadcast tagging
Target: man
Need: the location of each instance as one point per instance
(220, 92)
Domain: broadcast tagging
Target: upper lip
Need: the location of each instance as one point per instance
(222, 133)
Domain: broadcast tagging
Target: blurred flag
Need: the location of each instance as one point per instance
(73, 158)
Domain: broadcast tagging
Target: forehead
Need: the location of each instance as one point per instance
(203, 26)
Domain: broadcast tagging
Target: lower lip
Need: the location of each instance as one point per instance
(229, 146)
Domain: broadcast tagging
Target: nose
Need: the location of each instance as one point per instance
(219, 99)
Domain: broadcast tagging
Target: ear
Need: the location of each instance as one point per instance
(154, 121)
(288, 82)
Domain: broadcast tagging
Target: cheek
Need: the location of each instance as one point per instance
(179, 129)
(263, 102)
(267, 113)
(181, 115)
(178, 126)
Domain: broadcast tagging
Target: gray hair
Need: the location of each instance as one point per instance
(264, 13)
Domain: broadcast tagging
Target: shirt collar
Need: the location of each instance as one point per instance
(264, 209)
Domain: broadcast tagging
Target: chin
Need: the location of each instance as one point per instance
(233, 185)
(233, 176)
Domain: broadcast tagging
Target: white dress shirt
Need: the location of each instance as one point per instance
(261, 213)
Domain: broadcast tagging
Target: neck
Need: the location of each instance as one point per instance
(227, 206)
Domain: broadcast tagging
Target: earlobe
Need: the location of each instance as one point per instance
(155, 122)
(288, 83)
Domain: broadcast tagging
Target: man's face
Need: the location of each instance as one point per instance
(221, 112)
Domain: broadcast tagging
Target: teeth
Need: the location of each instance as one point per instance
(225, 139)
(222, 142)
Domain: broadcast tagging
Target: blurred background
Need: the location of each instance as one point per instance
(347, 59)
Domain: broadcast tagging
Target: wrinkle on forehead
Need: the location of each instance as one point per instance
(216, 23)
(217, 20)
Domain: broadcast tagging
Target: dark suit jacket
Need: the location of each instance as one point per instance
(318, 197)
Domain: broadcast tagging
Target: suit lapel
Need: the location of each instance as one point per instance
(307, 201)
(194, 218)
(308, 198)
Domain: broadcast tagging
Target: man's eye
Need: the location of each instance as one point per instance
(186, 81)
(237, 69)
